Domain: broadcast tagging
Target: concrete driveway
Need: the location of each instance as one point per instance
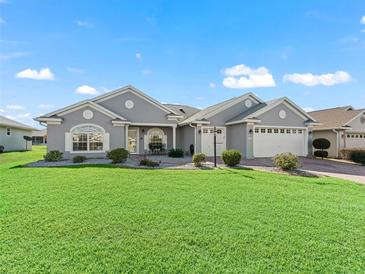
(332, 168)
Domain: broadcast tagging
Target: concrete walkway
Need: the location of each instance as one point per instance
(343, 170)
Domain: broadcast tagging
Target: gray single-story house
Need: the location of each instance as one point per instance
(344, 127)
(12, 135)
(129, 118)
(39, 137)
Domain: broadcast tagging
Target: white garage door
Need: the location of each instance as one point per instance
(270, 141)
(355, 140)
(208, 140)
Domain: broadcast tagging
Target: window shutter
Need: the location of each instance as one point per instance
(68, 141)
(106, 141)
(145, 139)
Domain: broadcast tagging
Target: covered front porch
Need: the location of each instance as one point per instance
(150, 139)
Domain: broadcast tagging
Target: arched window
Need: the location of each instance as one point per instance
(87, 138)
(156, 139)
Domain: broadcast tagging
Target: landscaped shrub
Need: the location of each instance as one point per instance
(53, 156)
(118, 155)
(346, 153)
(231, 157)
(321, 154)
(176, 153)
(286, 161)
(198, 159)
(79, 159)
(2, 148)
(358, 157)
(149, 163)
(321, 144)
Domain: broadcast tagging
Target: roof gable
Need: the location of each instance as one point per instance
(338, 117)
(136, 92)
(4, 121)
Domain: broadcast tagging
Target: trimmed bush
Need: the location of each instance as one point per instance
(286, 161)
(118, 155)
(143, 162)
(2, 148)
(346, 153)
(78, 159)
(176, 153)
(53, 156)
(322, 144)
(152, 163)
(358, 157)
(321, 154)
(231, 157)
(198, 159)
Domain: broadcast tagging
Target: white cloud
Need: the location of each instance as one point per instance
(46, 106)
(1, 110)
(310, 80)
(139, 56)
(146, 72)
(84, 24)
(12, 55)
(75, 70)
(212, 85)
(42, 74)
(362, 21)
(84, 89)
(308, 109)
(242, 76)
(14, 107)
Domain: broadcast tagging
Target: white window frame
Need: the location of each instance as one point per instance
(88, 142)
(137, 130)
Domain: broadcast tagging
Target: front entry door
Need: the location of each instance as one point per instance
(133, 140)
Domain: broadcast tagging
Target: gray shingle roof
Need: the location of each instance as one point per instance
(13, 124)
(335, 117)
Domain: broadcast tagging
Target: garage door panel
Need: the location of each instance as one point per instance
(270, 141)
(355, 140)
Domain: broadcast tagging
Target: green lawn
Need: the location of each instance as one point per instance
(100, 219)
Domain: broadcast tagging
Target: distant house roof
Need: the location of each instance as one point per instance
(39, 133)
(13, 124)
(184, 110)
(335, 117)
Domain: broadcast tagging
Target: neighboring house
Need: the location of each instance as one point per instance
(12, 135)
(344, 127)
(130, 119)
(39, 137)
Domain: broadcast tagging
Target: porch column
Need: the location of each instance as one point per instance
(174, 137)
(126, 136)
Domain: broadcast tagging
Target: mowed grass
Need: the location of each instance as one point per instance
(100, 219)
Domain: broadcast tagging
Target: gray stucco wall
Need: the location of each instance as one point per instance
(142, 112)
(15, 141)
(271, 118)
(330, 136)
(185, 137)
(221, 118)
(236, 138)
(357, 126)
(56, 133)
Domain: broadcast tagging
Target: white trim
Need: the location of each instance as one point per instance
(88, 143)
(54, 123)
(63, 109)
(48, 119)
(120, 123)
(173, 137)
(136, 92)
(285, 127)
(354, 118)
(87, 124)
(195, 122)
(87, 151)
(330, 128)
(244, 121)
(96, 107)
(152, 124)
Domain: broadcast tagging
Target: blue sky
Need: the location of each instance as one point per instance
(54, 53)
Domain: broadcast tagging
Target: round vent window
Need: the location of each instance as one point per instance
(282, 114)
(129, 104)
(362, 119)
(248, 103)
(88, 114)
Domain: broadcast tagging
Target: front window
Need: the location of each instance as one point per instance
(156, 140)
(87, 138)
(8, 131)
